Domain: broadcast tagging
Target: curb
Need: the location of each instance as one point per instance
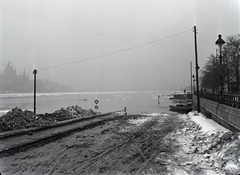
(14, 133)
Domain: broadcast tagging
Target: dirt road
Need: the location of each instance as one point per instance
(131, 145)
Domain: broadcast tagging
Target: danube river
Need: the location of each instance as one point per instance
(135, 102)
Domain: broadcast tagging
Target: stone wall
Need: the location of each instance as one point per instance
(227, 116)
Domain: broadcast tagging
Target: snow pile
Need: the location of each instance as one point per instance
(211, 144)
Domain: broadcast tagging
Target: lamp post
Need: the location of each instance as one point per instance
(220, 43)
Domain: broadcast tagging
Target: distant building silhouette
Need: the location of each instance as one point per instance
(9, 72)
(10, 82)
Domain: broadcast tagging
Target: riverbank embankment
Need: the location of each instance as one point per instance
(226, 116)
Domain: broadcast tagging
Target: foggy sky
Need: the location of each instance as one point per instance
(40, 34)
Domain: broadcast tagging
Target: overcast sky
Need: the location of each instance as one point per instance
(46, 33)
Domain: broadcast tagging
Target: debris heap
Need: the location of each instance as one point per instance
(19, 119)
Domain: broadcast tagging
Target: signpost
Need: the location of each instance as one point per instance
(96, 102)
(35, 87)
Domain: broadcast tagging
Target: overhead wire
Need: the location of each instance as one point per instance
(200, 12)
(114, 52)
(203, 16)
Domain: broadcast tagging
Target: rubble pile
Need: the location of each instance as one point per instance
(19, 119)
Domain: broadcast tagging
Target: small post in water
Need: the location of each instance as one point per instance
(125, 110)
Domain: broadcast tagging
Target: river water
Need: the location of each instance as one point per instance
(135, 102)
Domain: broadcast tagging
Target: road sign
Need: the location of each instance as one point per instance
(96, 107)
(96, 101)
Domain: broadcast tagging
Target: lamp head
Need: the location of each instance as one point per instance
(220, 41)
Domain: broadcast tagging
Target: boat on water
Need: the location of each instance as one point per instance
(184, 103)
(181, 96)
(181, 108)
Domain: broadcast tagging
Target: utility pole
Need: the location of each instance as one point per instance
(197, 67)
(34, 73)
(191, 76)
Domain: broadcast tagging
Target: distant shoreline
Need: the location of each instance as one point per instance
(52, 94)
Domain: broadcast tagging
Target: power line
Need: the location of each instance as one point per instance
(118, 51)
(200, 13)
(203, 16)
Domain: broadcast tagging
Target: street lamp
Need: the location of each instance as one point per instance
(220, 43)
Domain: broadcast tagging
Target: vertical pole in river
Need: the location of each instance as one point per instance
(125, 111)
(197, 67)
(34, 73)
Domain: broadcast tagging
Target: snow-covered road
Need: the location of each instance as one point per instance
(139, 144)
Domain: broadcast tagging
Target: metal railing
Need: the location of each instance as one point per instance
(227, 99)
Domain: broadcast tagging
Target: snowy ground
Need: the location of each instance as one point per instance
(213, 149)
(139, 144)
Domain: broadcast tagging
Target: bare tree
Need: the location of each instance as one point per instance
(231, 56)
(211, 73)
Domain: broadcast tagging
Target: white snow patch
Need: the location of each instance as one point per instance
(2, 112)
(139, 121)
(207, 125)
(231, 166)
(154, 114)
(211, 172)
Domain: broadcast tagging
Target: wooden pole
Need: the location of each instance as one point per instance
(197, 67)
(191, 76)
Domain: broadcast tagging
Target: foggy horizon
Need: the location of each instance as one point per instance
(113, 45)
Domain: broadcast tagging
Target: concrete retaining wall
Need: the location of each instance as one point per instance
(227, 116)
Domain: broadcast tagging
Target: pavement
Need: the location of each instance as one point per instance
(18, 139)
